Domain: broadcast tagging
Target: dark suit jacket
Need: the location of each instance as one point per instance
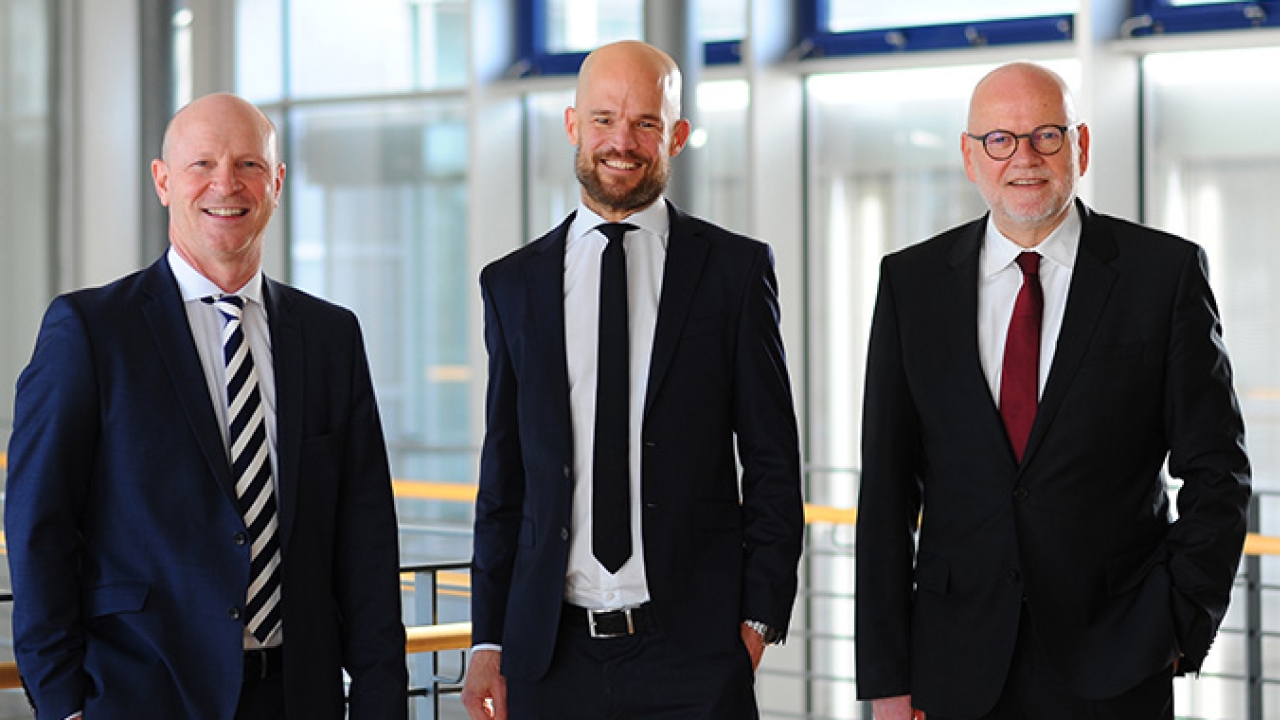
(717, 371)
(1115, 589)
(126, 549)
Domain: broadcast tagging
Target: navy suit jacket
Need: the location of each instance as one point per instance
(127, 552)
(1082, 529)
(714, 554)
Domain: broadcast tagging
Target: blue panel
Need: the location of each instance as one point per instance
(818, 43)
(1166, 18)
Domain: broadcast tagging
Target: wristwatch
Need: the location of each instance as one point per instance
(770, 635)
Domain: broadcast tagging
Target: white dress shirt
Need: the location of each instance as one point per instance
(587, 583)
(206, 329)
(1000, 279)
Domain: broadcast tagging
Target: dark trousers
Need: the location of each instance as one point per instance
(262, 690)
(640, 677)
(1035, 690)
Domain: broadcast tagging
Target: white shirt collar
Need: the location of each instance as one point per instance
(195, 286)
(653, 218)
(1060, 247)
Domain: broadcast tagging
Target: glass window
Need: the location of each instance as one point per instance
(1213, 166)
(377, 203)
(26, 193)
(339, 48)
(583, 25)
(855, 15)
(260, 49)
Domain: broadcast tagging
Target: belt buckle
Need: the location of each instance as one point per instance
(601, 635)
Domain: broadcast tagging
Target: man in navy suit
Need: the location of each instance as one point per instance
(130, 553)
(674, 623)
(1029, 377)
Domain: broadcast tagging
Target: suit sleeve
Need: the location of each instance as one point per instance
(368, 574)
(768, 447)
(1206, 440)
(888, 510)
(501, 484)
(51, 455)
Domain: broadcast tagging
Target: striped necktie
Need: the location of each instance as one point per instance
(251, 470)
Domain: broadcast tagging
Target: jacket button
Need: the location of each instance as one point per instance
(1013, 576)
(564, 533)
(233, 613)
(1020, 494)
(240, 538)
(566, 471)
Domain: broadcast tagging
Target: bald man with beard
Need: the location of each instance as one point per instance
(664, 608)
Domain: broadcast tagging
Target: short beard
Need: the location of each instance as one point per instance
(650, 186)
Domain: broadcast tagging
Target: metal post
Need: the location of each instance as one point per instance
(155, 101)
(1253, 622)
(672, 27)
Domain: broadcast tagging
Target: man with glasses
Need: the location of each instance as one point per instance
(1029, 376)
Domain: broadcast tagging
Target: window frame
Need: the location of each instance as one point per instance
(534, 59)
(819, 42)
(1161, 17)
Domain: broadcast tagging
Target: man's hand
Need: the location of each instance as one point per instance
(895, 708)
(755, 646)
(484, 694)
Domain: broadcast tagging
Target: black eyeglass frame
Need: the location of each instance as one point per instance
(1017, 140)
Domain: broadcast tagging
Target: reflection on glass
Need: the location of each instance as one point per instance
(1213, 164)
(855, 15)
(377, 207)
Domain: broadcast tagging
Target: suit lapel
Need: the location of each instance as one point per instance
(687, 252)
(958, 301)
(167, 319)
(1091, 282)
(288, 360)
(544, 273)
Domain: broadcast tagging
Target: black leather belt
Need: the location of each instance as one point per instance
(262, 663)
(611, 623)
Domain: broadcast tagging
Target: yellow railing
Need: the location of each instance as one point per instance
(457, 636)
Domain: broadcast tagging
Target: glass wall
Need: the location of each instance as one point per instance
(1213, 166)
(27, 235)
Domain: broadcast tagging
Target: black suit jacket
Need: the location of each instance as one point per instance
(125, 542)
(1115, 588)
(715, 554)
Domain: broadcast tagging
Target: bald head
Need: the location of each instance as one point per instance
(220, 108)
(1033, 89)
(635, 62)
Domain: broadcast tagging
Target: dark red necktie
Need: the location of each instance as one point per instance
(611, 466)
(1020, 378)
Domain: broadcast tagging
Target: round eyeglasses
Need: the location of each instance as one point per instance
(1002, 144)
